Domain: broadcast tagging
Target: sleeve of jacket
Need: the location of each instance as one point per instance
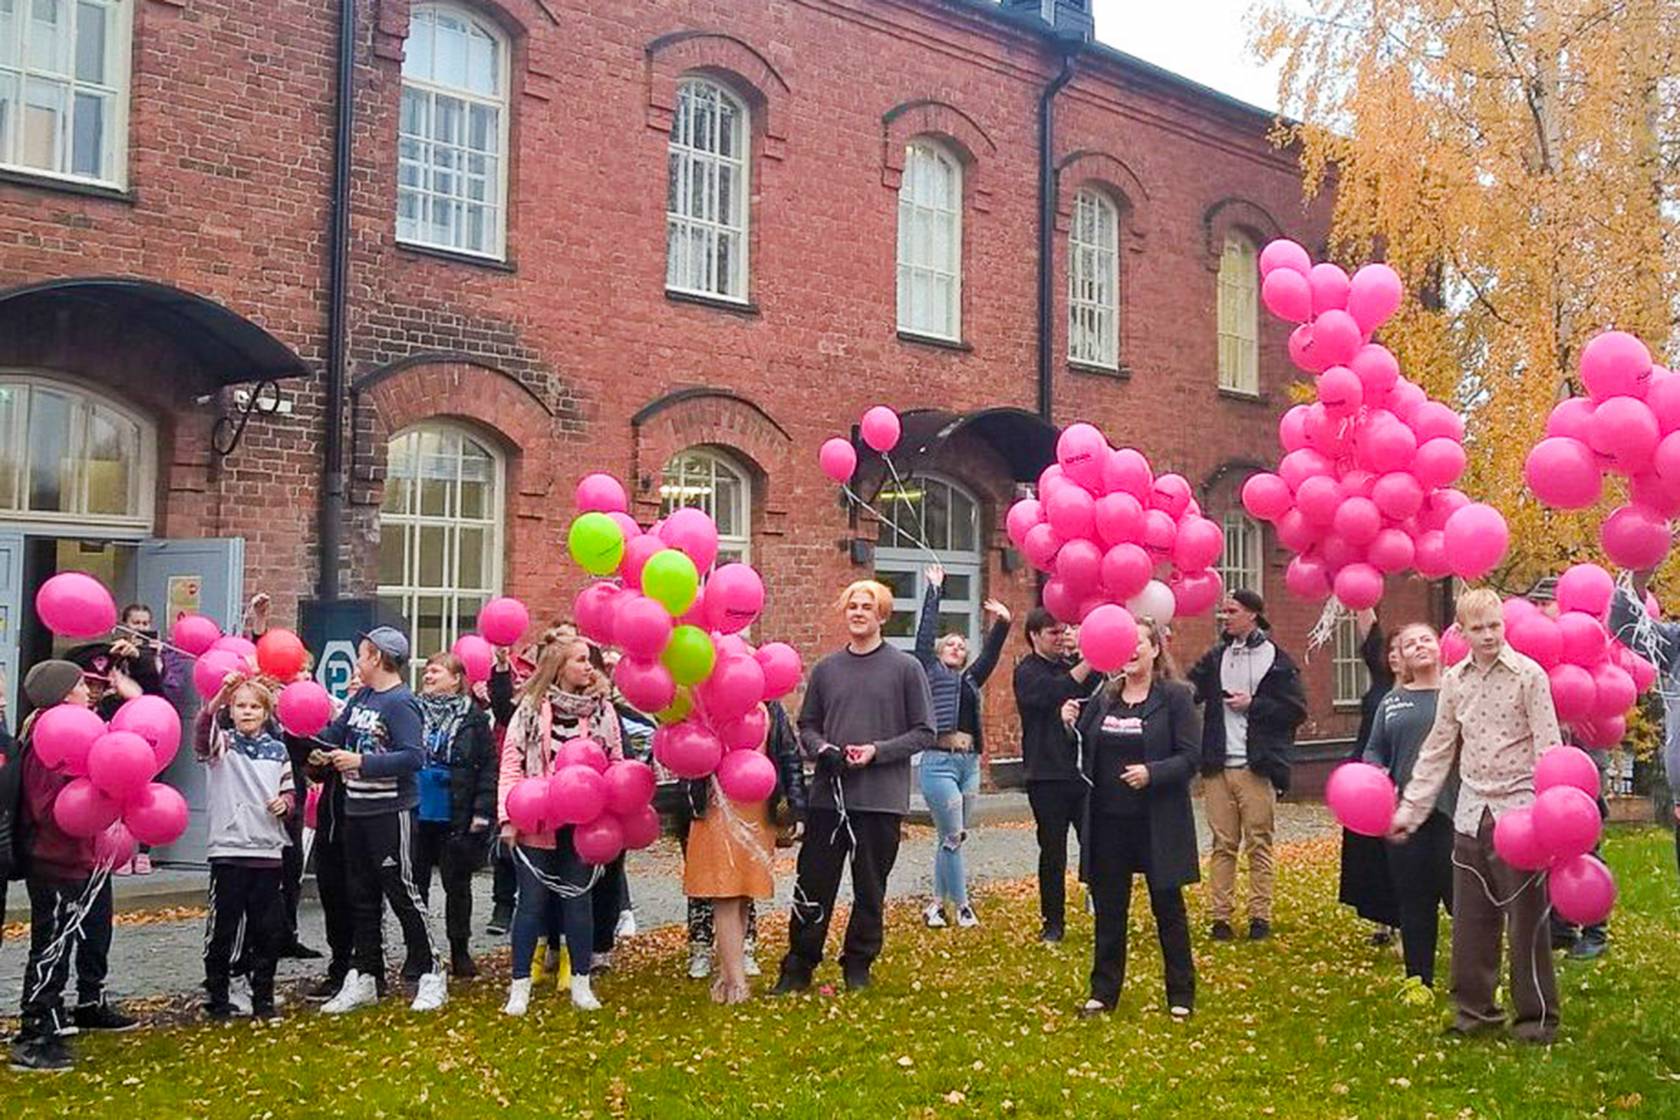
(790, 763)
(991, 649)
(485, 780)
(1040, 684)
(501, 695)
(927, 625)
(1626, 613)
(918, 711)
(1203, 677)
(1434, 760)
(201, 734)
(1186, 722)
(1373, 651)
(510, 767)
(1283, 705)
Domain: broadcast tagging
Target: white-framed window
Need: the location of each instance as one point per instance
(711, 481)
(1242, 563)
(930, 241)
(64, 88)
(440, 533)
(928, 510)
(706, 192)
(1094, 281)
(452, 133)
(1239, 316)
(70, 457)
(1352, 677)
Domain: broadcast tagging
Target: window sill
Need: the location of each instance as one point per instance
(18, 177)
(1240, 395)
(1121, 373)
(936, 342)
(436, 253)
(745, 308)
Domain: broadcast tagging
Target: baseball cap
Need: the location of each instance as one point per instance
(390, 641)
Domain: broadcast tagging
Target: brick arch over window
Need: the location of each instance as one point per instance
(715, 418)
(728, 59)
(514, 18)
(1109, 174)
(1240, 215)
(948, 124)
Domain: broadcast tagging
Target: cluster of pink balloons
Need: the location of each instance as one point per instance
(607, 804)
(1365, 486)
(1557, 834)
(685, 661)
(880, 429)
(1628, 425)
(501, 622)
(111, 794)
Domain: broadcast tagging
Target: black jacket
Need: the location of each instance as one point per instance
(1278, 707)
(473, 772)
(1374, 652)
(1172, 734)
(968, 681)
(1042, 686)
(782, 746)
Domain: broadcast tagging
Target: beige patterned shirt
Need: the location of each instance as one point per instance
(1497, 722)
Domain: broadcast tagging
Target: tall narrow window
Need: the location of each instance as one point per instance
(930, 242)
(1094, 281)
(1239, 316)
(706, 193)
(1352, 677)
(1241, 564)
(713, 483)
(64, 87)
(452, 133)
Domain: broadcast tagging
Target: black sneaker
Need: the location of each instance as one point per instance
(102, 1016)
(1259, 929)
(41, 1055)
(858, 979)
(461, 964)
(1221, 931)
(264, 1012)
(61, 1024)
(1050, 935)
(220, 1010)
(789, 983)
(325, 990)
(298, 951)
(500, 918)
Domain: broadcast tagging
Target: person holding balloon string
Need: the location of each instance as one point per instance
(1364, 881)
(1635, 619)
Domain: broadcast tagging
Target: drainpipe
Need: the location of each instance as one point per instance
(330, 531)
(1047, 227)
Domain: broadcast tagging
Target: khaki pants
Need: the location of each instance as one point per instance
(1240, 806)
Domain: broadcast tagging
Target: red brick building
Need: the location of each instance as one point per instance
(683, 241)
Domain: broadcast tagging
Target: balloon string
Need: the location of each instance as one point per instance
(555, 883)
(889, 522)
(133, 633)
(1333, 615)
(737, 826)
(901, 495)
(1645, 639)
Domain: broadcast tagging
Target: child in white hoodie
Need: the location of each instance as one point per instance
(249, 782)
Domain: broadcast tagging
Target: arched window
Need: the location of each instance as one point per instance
(67, 455)
(452, 133)
(1094, 281)
(711, 481)
(930, 511)
(706, 192)
(1239, 316)
(440, 533)
(930, 242)
(64, 87)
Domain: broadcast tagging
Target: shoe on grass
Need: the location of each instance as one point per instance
(102, 1016)
(358, 991)
(433, 993)
(699, 962)
(46, 1054)
(934, 916)
(967, 918)
(1259, 929)
(1220, 930)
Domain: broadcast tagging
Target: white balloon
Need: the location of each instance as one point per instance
(1154, 601)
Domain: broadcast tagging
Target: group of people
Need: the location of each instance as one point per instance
(407, 784)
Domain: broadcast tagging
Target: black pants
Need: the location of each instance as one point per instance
(1056, 807)
(245, 908)
(381, 867)
(504, 884)
(1423, 882)
(291, 880)
(822, 858)
(64, 919)
(332, 884)
(611, 895)
(1119, 850)
(455, 857)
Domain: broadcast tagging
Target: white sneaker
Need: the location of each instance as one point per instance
(934, 916)
(967, 918)
(359, 991)
(519, 997)
(699, 962)
(626, 924)
(433, 993)
(750, 967)
(582, 998)
(239, 994)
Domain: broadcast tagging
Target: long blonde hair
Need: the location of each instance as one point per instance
(547, 672)
(1405, 675)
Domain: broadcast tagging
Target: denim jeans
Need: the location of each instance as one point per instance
(539, 910)
(950, 783)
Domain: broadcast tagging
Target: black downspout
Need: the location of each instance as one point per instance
(1047, 228)
(331, 528)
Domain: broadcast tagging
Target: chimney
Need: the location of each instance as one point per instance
(1069, 19)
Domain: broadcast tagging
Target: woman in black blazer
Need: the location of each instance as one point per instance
(1139, 741)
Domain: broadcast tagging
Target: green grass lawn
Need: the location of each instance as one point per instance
(960, 1023)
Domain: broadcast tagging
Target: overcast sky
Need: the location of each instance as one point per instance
(1205, 40)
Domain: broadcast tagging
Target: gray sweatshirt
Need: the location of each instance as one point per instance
(879, 697)
(1662, 649)
(243, 773)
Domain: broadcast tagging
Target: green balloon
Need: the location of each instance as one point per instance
(681, 705)
(689, 654)
(596, 543)
(671, 579)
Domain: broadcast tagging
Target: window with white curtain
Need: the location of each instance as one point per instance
(1239, 316)
(706, 192)
(67, 455)
(930, 242)
(1094, 281)
(452, 133)
(1242, 564)
(440, 533)
(1352, 677)
(64, 87)
(710, 481)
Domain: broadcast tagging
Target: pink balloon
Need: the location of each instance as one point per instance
(1430, 556)
(1386, 444)
(1378, 370)
(1286, 254)
(1405, 399)
(1040, 546)
(690, 750)
(1060, 602)
(1398, 495)
(576, 795)
(1439, 462)
(692, 531)
(1434, 420)
(305, 708)
(599, 493)
(630, 786)
(1614, 364)
(1566, 822)
(1439, 507)
(1587, 588)
(155, 720)
(581, 752)
(476, 656)
(1566, 766)
(213, 668)
(1119, 518)
(1602, 734)
(157, 815)
(243, 648)
(1515, 842)
(120, 763)
(637, 552)
(1536, 636)
(1298, 466)
(1358, 587)
(75, 605)
(1453, 646)
(504, 620)
(1477, 540)
(1644, 673)
(736, 684)
(1515, 608)
(1292, 434)
(114, 847)
(1573, 692)
(1083, 451)
(1079, 566)
(1663, 395)
(1125, 571)
(881, 428)
(647, 685)
(1160, 533)
(81, 809)
(1563, 473)
(1265, 496)
(1625, 430)
(1658, 496)
(1582, 890)
(1296, 533)
(1358, 521)
(1615, 690)
(600, 841)
(193, 634)
(626, 525)
(1172, 494)
(1195, 592)
(1108, 638)
(1337, 553)
(838, 459)
(734, 598)
(1199, 544)
(527, 805)
(1327, 433)
(639, 829)
(1304, 353)
(1392, 551)
(782, 669)
(747, 733)
(1023, 515)
(1329, 284)
(1363, 798)
(1336, 338)
(1340, 391)
(1373, 295)
(1584, 638)
(1128, 471)
(1634, 539)
(1287, 295)
(594, 609)
(746, 777)
(1318, 499)
(1570, 419)
(1071, 511)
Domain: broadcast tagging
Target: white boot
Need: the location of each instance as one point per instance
(519, 997)
(582, 998)
(433, 993)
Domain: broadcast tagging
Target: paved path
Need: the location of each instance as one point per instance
(159, 958)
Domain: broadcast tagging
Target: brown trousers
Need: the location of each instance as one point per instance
(1491, 898)
(1240, 807)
